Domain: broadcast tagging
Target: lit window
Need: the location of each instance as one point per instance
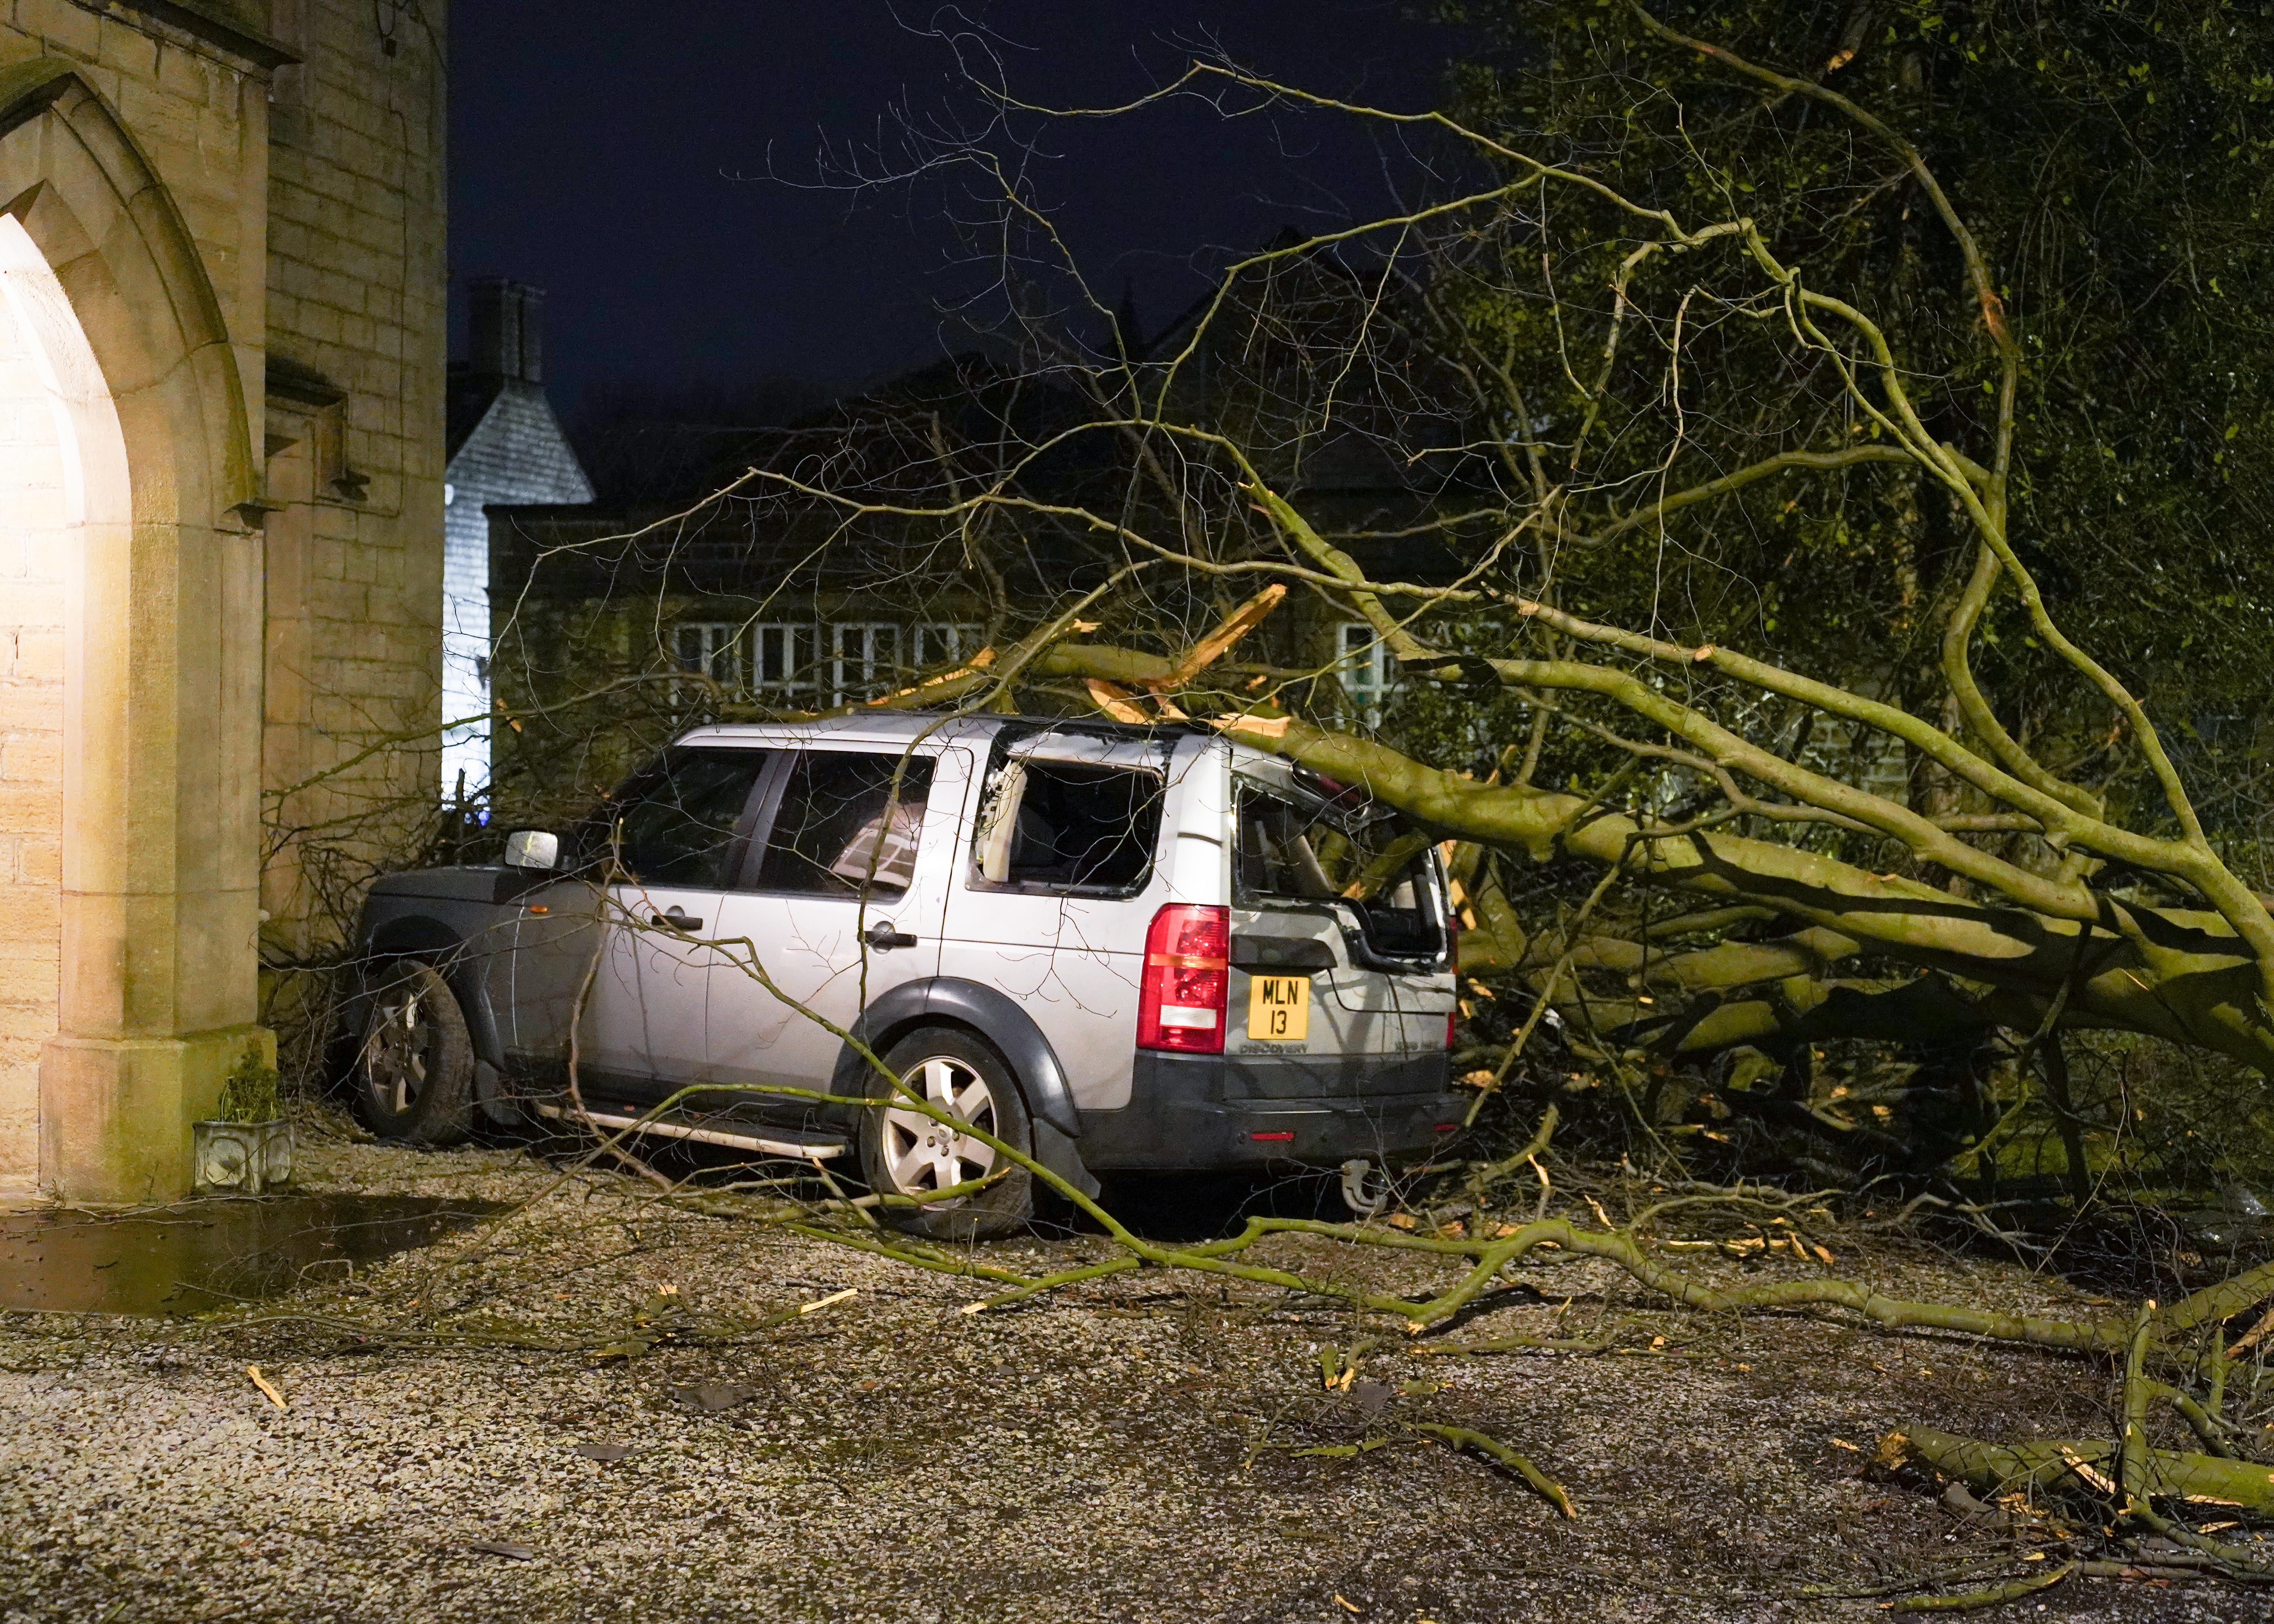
(864, 658)
(940, 643)
(1363, 663)
(788, 657)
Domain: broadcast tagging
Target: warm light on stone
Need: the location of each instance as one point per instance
(199, 337)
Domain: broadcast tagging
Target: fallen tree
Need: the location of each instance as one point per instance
(1753, 879)
(1996, 886)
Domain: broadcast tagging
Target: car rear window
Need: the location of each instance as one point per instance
(1068, 826)
(1365, 857)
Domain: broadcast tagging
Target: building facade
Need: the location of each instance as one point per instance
(222, 346)
(505, 447)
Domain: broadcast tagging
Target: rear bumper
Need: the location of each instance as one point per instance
(1202, 1113)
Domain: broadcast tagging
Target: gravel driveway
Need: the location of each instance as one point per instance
(685, 1446)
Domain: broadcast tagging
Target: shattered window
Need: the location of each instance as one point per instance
(1365, 857)
(1063, 826)
(845, 826)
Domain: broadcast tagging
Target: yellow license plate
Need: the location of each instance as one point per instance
(1279, 1008)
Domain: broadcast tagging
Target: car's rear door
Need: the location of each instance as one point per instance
(1338, 938)
(1052, 893)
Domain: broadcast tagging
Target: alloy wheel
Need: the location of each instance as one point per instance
(394, 1051)
(923, 1155)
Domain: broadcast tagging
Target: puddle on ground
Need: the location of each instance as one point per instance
(202, 1255)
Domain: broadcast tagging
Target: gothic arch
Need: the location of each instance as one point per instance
(161, 643)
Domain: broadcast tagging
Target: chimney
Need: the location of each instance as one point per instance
(507, 329)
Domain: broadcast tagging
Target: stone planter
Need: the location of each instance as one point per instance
(241, 1158)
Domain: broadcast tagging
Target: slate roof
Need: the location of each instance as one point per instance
(505, 445)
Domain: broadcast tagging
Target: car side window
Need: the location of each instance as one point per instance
(683, 825)
(849, 823)
(1067, 826)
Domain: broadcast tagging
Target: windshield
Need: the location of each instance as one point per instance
(1366, 857)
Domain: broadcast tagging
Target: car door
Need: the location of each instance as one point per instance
(840, 902)
(627, 946)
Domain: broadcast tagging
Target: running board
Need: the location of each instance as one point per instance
(795, 1149)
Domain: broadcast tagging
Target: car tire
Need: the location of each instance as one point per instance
(413, 1072)
(905, 1153)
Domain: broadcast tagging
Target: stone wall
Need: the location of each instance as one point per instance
(234, 301)
(31, 535)
(356, 336)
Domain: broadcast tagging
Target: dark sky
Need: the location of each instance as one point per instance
(619, 155)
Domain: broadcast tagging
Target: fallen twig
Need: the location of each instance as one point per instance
(1469, 1437)
(2014, 1589)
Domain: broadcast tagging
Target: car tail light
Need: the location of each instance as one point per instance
(1181, 1001)
(1452, 1026)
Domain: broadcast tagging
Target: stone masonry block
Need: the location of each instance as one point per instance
(33, 603)
(34, 466)
(40, 861)
(135, 55)
(28, 1022)
(25, 709)
(73, 31)
(188, 75)
(30, 808)
(32, 758)
(33, 919)
(38, 656)
(344, 292)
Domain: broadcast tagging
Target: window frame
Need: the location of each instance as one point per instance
(1366, 670)
(594, 836)
(798, 678)
(1437, 895)
(962, 638)
(722, 641)
(857, 676)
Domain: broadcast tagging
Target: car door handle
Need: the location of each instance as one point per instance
(675, 918)
(882, 937)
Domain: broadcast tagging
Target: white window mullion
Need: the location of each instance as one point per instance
(1362, 660)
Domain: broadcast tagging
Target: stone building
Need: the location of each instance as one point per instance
(709, 590)
(505, 446)
(221, 332)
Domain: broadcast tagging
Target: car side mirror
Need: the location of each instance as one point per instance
(532, 848)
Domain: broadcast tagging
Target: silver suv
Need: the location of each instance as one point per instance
(1118, 948)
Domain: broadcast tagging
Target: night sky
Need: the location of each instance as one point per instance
(619, 156)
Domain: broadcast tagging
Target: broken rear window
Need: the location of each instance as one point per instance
(1051, 825)
(1365, 858)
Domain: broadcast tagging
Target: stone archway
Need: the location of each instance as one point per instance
(135, 623)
